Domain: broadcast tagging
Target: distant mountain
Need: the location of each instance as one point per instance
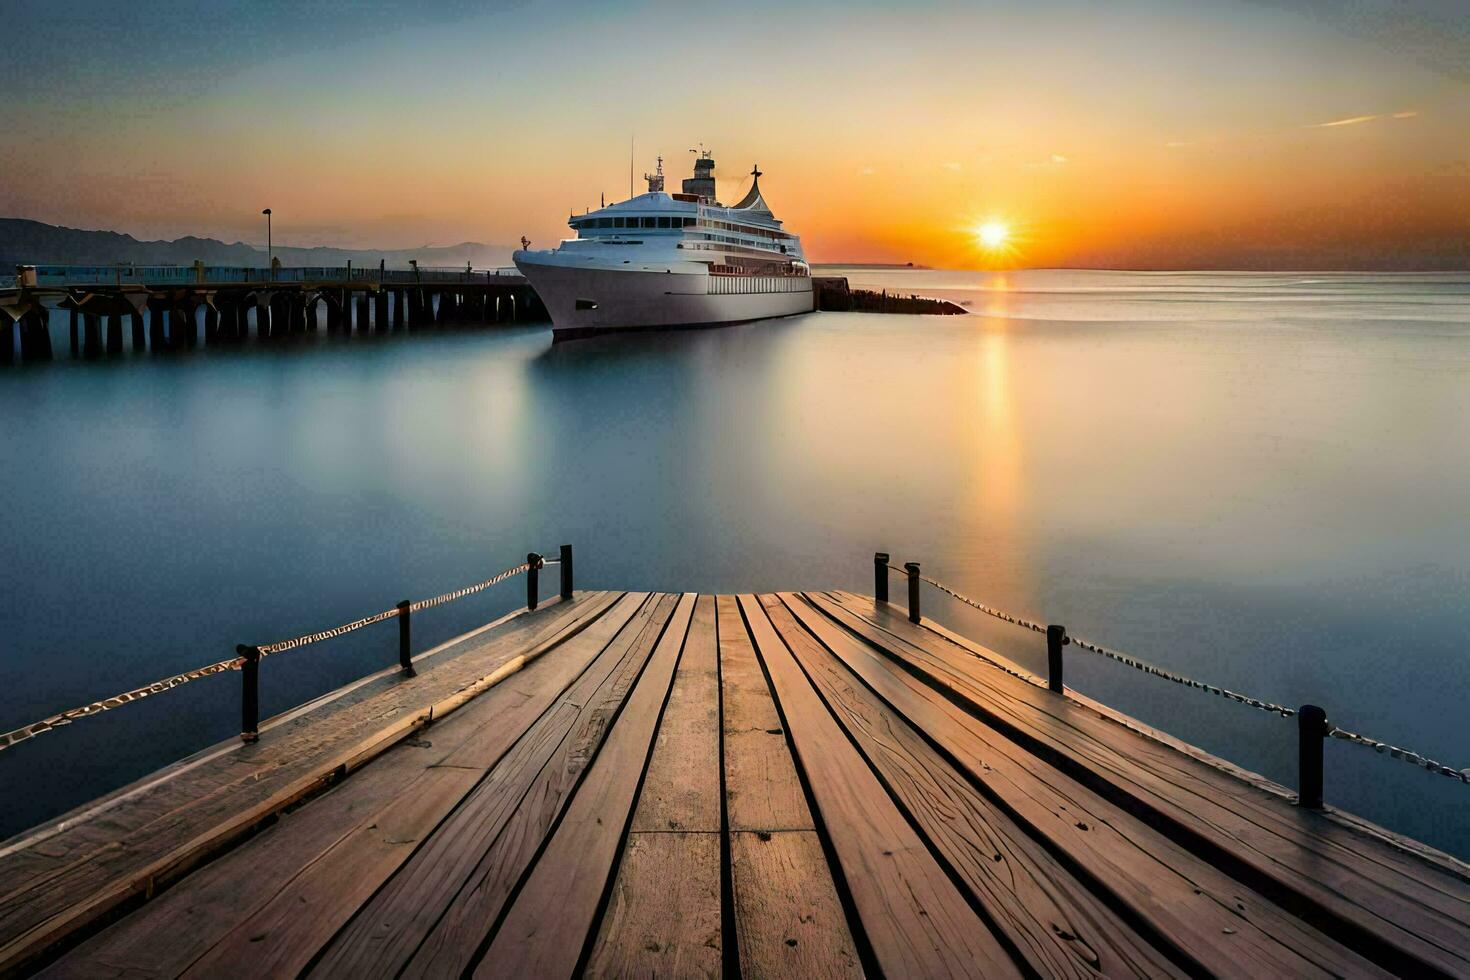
(34, 242)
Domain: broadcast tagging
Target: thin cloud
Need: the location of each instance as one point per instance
(954, 165)
(1350, 121)
(1175, 144)
(1356, 120)
(866, 172)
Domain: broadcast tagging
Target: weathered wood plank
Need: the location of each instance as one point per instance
(915, 920)
(1055, 924)
(464, 871)
(1197, 908)
(663, 918)
(167, 935)
(544, 931)
(153, 838)
(281, 938)
(1399, 912)
(682, 788)
(762, 791)
(789, 921)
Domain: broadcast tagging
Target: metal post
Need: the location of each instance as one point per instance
(1056, 638)
(532, 579)
(912, 567)
(566, 571)
(405, 654)
(1312, 731)
(250, 693)
(880, 576)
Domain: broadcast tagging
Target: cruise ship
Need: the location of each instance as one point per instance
(663, 261)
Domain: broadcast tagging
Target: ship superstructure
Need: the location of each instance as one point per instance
(661, 260)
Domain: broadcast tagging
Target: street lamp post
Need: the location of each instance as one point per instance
(269, 250)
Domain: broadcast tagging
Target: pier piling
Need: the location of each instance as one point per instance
(250, 693)
(405, 646)
(566, 571)
(1312, 732)
(912, 567)
(880, 576)
(1056, 638)
(533, 573)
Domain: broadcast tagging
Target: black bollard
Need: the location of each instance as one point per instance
(1311, 731)
(1056, 638)
(405, 655)
(566, 571)
(532, 575)
(880, 576)
(250, 693)
(912, 567)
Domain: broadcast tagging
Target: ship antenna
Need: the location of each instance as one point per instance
(630, 167)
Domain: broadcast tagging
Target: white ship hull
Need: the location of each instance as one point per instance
(586, 298)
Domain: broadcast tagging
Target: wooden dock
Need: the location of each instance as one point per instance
(788, 785)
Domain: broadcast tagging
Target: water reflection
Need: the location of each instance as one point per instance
(1272, 501)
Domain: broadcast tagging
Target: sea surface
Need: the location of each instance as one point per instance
(1261, 481)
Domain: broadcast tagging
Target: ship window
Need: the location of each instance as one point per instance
(648, 223)
(617, 222)
(688, 222)
(586, 304)
(663, 222)
(604, 222)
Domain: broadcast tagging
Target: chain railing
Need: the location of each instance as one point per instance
(247, 658)
(1312, 722)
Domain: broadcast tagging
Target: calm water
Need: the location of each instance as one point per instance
(1258, 480)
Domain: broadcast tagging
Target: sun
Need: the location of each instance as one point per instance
(992, 235)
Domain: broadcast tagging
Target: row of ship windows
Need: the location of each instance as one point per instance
(676, 221)
(725, 285)
(663, 221)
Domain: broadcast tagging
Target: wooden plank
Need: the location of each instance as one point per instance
(167, 935)
(762, 792)
(1183, 900)
(1203, 914)
(544, 931)
(915, 920)
(458, 879)
(682, 788)
(1055, 924)
(663, 918)
(281, 938)
(161, 834)
(789, 921)
(1397, 911)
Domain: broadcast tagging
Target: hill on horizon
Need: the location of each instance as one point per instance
(23, 241)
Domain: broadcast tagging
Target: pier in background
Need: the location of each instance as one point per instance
(170, 308)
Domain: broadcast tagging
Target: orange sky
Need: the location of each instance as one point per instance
(1134, 134)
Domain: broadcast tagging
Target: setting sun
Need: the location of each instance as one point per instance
(992, 234)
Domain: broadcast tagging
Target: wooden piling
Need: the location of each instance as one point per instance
(398, 311)
(91, 335)
(137, 324)
(1056, 638)
(115, 333)
(75, 334)
(380, 314)
(364, 318)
